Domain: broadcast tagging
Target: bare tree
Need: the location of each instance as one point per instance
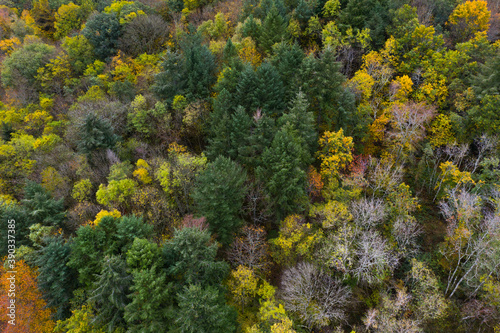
(315, 297)
(250, 250)
(374, 258)
(385, 175)
(390, 316)
(408, 125)
(145, 34)
(406, 231)
(368, 213)
(471, 247)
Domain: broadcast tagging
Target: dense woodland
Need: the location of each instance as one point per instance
(254, 166)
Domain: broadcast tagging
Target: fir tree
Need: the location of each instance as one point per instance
(219, 196)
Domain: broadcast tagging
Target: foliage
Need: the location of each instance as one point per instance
(219, 196)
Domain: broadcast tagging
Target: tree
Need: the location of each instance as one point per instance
(469, 18)
(12, 211)
(408, 121)
(250, 250)
(302, 120)
(31, 311)
(335, 153)
(111, 236)
(273, 30)
(19, 69)
(429, 301)
(68, 18)
(203, 309)
(282, 170)
(190, 73)
(315, 297)
(41, 207)
(96, 134)
(110, 292)
(390, 314)
(43, 16)
(151, 301)
(56, 279)
(144, 34)
(219, 196)
(103, 31)
(469, 251)
(190, 258)
(321, 81)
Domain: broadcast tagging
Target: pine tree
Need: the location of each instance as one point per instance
(41, 207)
(151, 301)
(269, 91)
(287, 59)
(229, 52)
(321, 81)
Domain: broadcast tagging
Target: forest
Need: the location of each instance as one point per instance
(249, 166)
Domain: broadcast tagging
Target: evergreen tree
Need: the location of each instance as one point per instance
(230, 51)
(282, 170)
(273, 30)
(246, 88)
(251, 28)
(269, 91)
(110, 292)
(103, 30)
(96, 134)
(287, 59)
(41, 207)
(151, 302)
(56, 279)
(302, 120)
(321, 81)
(190, 73)
(190, 259)
(8, 212)
(239, 134)
(203, 309)
(219, 196)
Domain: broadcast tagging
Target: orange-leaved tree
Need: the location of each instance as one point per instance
(31, 314)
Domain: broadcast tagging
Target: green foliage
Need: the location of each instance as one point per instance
(96, 134)
(20, 68)
(190, 258)
(13, 211)
(219, 196)
(190, 73)
(112, 236)
(41, 207)
(204, 309)
(150, 309)
(110, 292)
(283, 170)
(103, 31)
(82, 190)
(56, 279)
(273, 30)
